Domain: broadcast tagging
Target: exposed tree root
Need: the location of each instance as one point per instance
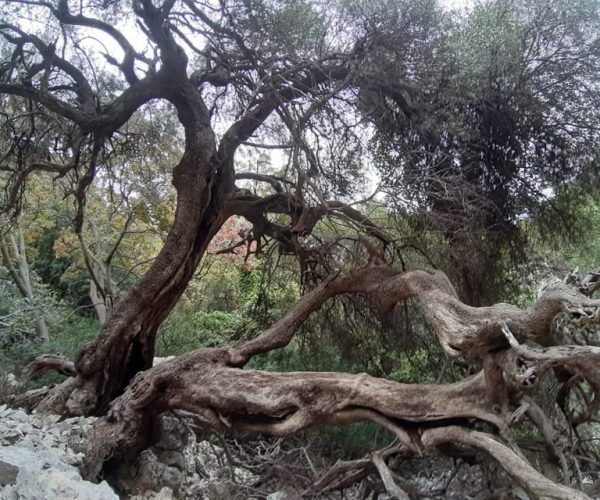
(345, 473)
(388, 480)
(551, 437)
(28, 400)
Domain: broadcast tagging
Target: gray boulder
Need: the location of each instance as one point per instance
(42, 475)
(13, 459)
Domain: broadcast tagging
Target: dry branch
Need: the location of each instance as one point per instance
(388, 480)
(48, 363)
(535, 484)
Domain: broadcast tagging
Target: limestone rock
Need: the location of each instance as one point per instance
(148, 472)
(173, 434)
(53, 484)
(29, 475)
(278, 495)
(14, 459)
(39, 455)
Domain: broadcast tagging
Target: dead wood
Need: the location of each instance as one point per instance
(48, 363)
(534, 483)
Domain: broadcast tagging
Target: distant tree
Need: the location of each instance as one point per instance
(121, 232)
(506, 122)
(14, 258)
(234, 242)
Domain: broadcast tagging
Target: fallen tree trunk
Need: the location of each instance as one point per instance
(211, 383)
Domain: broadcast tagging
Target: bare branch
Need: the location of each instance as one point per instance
(386, 476)
(48, 363)
(127, 65)
(535, 484)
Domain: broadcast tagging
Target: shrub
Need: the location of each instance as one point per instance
(66, 336)
(185, 331)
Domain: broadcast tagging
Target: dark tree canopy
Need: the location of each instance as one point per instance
(476, 122)
(508, 120)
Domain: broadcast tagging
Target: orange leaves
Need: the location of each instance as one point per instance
(234, 242)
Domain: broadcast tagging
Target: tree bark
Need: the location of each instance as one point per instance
(125, 345)
(98, 303)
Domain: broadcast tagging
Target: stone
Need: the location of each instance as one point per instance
(171, 458)
(35, 475)
(147, 472)
(13, 459)
(177, 467)
(158, 360)
(278, 495)
(11, 437)
(8, 473)
(54, 484)
(173, 433)
(164, 494)
(19, 416)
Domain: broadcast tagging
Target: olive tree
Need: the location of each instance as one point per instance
(295, 76)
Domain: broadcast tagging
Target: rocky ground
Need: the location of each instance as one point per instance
(38, 461)
(40, 455)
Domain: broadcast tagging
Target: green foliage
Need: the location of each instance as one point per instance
(503, 130)
(185, 331)
(352, 441)
(17, 319)
(290, 358)
(585, 253)
(67, 329)
(526, 432)
(415, 367)
(67, 334)
(265, 297)
(228, 304)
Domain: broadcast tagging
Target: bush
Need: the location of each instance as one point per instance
(185, 331)
(66, 337)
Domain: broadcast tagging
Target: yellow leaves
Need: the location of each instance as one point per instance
(140, 209)
(159, 215)
(165, 213)
(66, 244)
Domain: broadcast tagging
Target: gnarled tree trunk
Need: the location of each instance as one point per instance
(211, 383)
(126, 342)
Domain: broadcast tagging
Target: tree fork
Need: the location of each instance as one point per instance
(125, 344)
